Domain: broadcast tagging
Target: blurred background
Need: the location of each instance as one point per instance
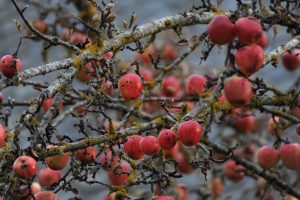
(146, 10)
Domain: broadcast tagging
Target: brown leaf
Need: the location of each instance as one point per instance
(18, 25)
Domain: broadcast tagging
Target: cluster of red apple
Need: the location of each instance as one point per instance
(249, 32)
(267, 157)
(249, 59)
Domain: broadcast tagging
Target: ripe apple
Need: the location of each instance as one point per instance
(46, 195)
(57, 162)
(48, 177)
(2, 135)
(25, 167)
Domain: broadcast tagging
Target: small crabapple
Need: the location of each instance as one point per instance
(108, 88)
(79, 38)
(2, 135)
(267, 157)
(86, 155)
(275, 126)
(291, 59)
(108, 55)
(195, 84)
(145, 56)
(170, 86)
(149, 145)
(263, 41)
(2, 97)
(25, 167)
(298, 129)
(238, 91)
(48, 177)
(147, 75)
(183, 164)
(35, 187)
(189, 132)
(217, 187)
(39, 25)
(132, 147)
(130, 86)
(248, 30)
(296, 111)
(46, 195)
(244, 121)
(48, 102)
(249, 59)
(233, 170)
(167, 139)
(57, 162)
(86, 73)
(221, 30)
(110, 196)
(182, 192)
(169, 51)
(106, 158)
(119, 175)
(290, 155)
(10, 66)
(171, 153)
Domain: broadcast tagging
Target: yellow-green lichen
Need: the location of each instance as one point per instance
(77, 62)
(168, 22)
(275, 59)
(133, 175)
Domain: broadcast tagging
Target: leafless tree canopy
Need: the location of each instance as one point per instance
(86, 99)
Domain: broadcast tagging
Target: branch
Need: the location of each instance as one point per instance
(272, 179)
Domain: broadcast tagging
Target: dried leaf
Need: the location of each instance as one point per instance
(132, 19)
(125, 24)
(276, 30)
(18, 25)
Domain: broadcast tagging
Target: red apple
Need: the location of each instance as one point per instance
(195, 84)
(119, 175)
(243, 120)
(182, 192)
(233, 170)
(170, 86)
(183, 164)
(86, 73)
(238, 91)
(48, 177)
(249, 59)
(248, 30)
(2, 136)
(57, 162)
(217, 187)
(25, 167)
(86, 155)
(290, 155)
(169, 51)
(221, 30)
(263, 41)
(275, 126)
(291, 59)
(46, 195)
(267, 157)
(48, 102)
